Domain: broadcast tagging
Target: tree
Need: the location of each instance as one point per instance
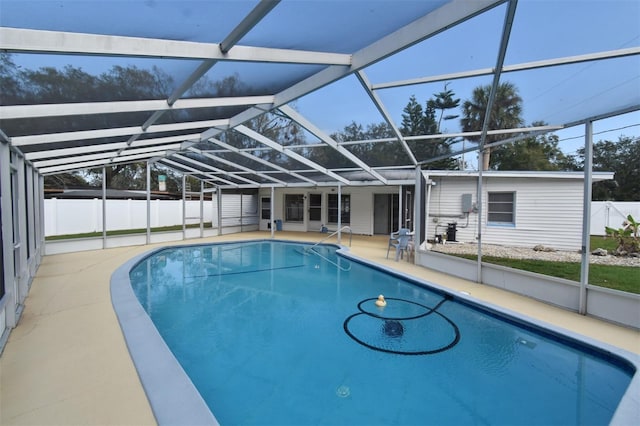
(417, 121)
(66, 180)
(622, 158)
(445, 101)
(372, 153)
(9, 80)
(533, 153)
(505, 114)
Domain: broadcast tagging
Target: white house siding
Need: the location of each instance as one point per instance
(548, 211)
(445, 206)
(361, 217)
(237, 209)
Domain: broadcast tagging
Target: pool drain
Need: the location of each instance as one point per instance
(343, 391)
(393, 328)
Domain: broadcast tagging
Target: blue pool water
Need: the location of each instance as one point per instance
(278, 333)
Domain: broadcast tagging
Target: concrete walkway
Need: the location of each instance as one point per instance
(67, 362)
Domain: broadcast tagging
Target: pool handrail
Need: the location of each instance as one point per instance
(337, 265)
(345, 227)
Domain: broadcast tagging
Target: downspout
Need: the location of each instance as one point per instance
(586, 216)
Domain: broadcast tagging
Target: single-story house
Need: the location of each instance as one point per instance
(518, 208)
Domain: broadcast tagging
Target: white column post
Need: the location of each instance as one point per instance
(272, 205)
(148, 202)
(586, 216)
(104, 207)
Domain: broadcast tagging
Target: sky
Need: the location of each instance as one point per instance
(542, 29)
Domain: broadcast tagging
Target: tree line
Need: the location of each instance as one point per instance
(70, 84)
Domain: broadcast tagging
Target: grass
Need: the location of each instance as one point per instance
(608, 244)
(123, 232)
(623, 278)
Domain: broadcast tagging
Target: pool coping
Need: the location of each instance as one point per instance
(172, 395)
(174, 398)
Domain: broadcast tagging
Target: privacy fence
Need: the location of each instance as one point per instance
(611, 214)
(63, 216)
(68, 216)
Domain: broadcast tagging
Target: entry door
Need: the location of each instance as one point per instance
(315, 212)
(385, 213)
(265, 212)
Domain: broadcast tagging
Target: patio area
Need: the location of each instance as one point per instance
(67, 363)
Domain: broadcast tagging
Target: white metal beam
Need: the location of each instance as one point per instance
(205, 166)
(446, 16)
(276, 146)
(180, 166)
(57, 42)
(114, 132)
(259, 11)
(88, 108)
(262, 161)
(236, 165)
(98, 163)
(312, 128)
(567, 60)
(104, 155)
(364, 81)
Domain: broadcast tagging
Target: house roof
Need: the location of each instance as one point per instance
(318, 64)
(113, 194)
(595, 176)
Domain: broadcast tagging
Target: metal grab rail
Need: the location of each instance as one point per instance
(337, 265)
(332, 234)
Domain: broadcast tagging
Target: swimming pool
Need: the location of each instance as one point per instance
(272, 332)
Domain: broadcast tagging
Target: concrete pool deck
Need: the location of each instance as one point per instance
(67, 362)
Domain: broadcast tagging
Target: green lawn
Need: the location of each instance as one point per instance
(623, 278)
(123, 232)
(602, 242)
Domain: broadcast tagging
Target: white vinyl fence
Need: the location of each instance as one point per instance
(63, 216)
(612, 214)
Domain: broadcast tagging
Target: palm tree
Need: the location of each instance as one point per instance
(505, 114)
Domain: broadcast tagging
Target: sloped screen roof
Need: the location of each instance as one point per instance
(259, 93)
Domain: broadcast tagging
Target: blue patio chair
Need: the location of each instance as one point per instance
(400, 241)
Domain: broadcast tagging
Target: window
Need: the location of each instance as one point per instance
(265, 208)
(294, 207)
(345, 209)
(501, 208)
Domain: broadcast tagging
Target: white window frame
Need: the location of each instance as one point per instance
(494, 211)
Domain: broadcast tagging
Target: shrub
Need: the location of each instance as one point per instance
(627, 237)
